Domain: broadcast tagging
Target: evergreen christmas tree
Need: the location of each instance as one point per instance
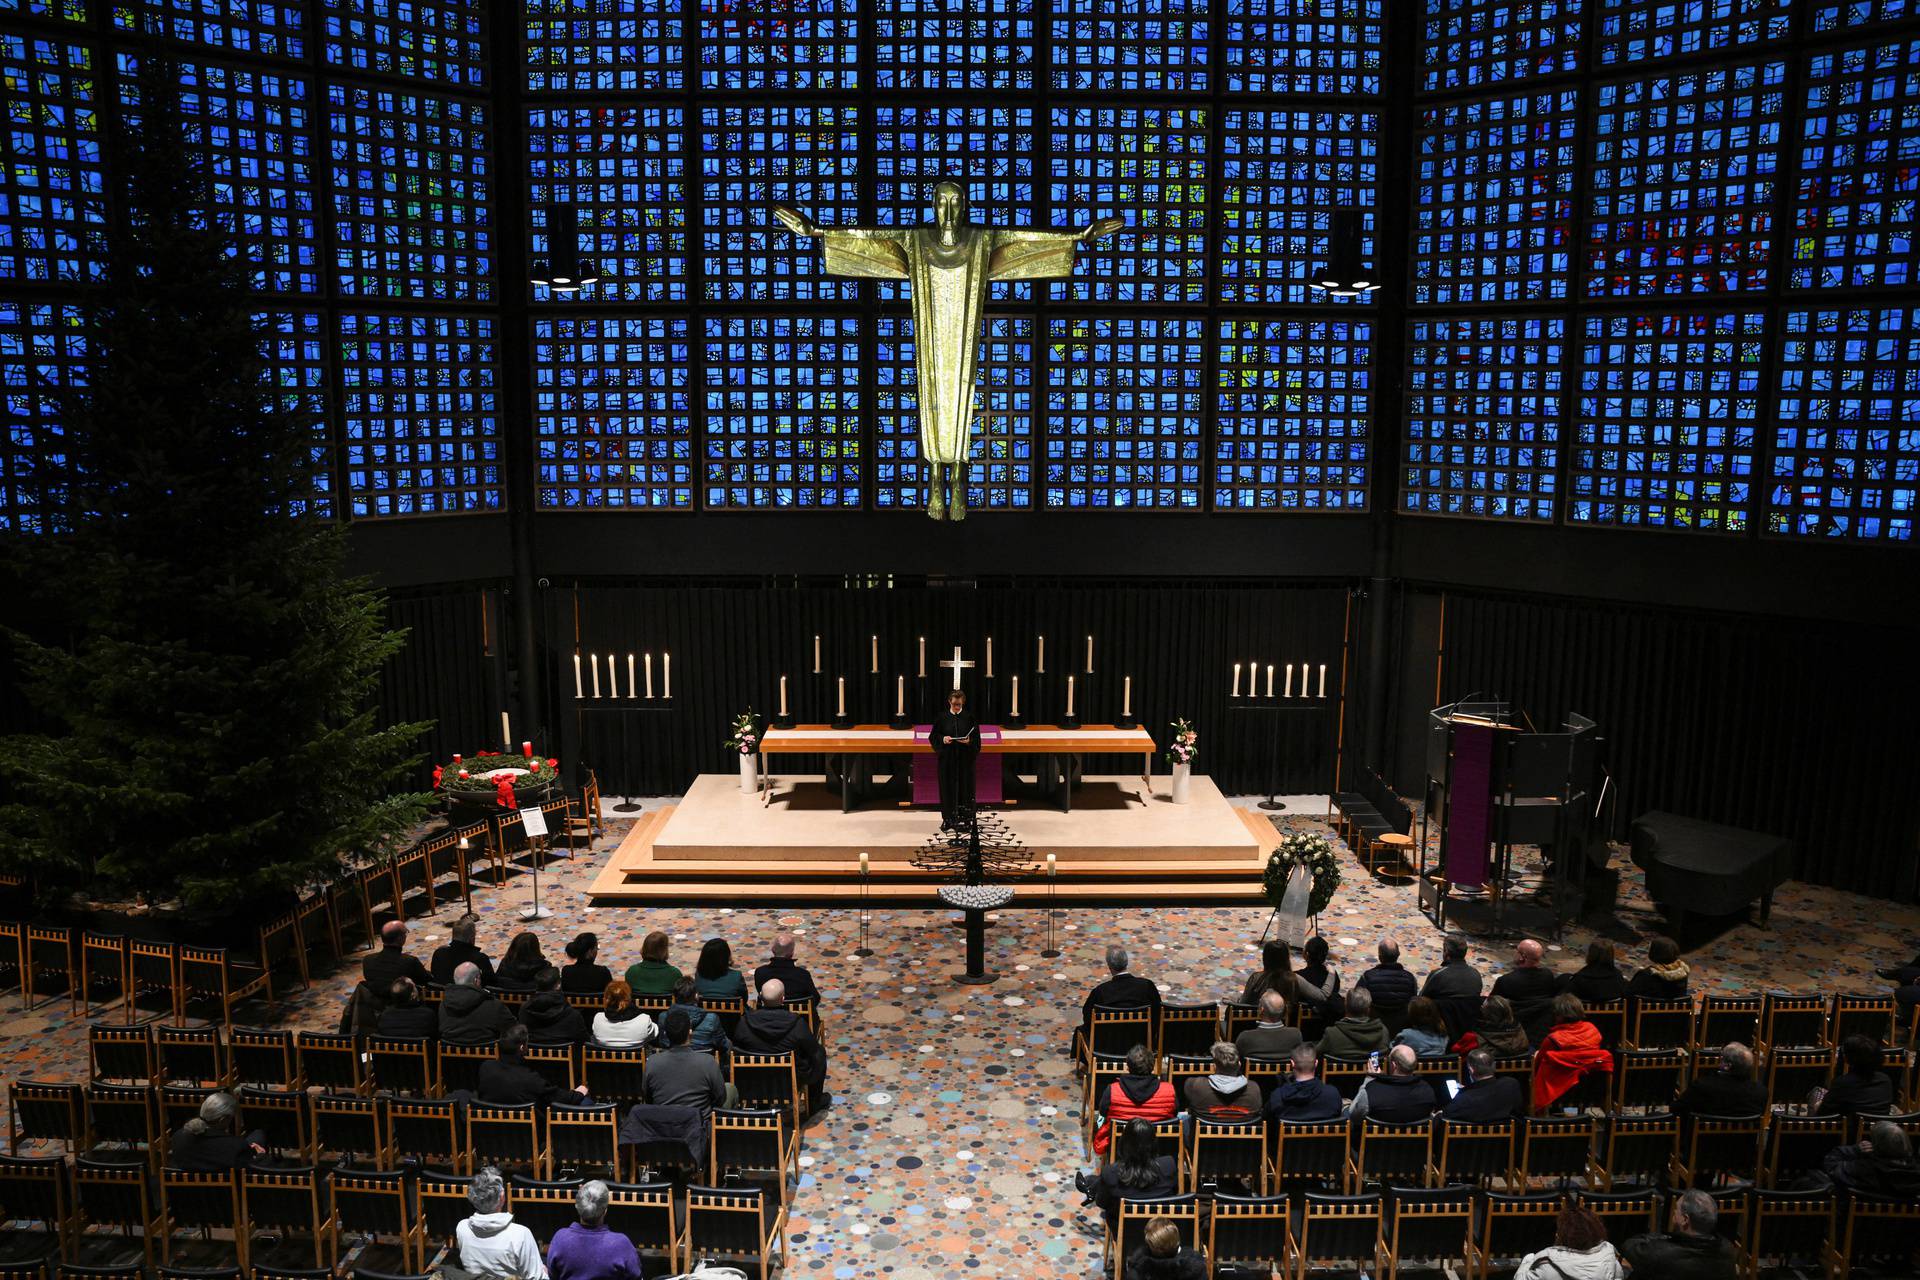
(203, 669)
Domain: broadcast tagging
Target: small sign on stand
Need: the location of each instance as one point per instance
(534, 823)
(1292, 918)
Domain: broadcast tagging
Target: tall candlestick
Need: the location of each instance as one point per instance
(843, 696)
(923, 657)
(593, 664)
(874, 663)
(649, 673)
(1323, 679)
(989, 657)
(783, 697)
(506, 730)
(816, 655)
(1236, 679)
(1303, 679)
(1041, 666)
(633, 689)
(666, 675)
(1089, 655)
(1016, 697)
(576, 677)
(1126, 697)
(613, 679)
(1069, 697)
(900, 695)
(1269, 679)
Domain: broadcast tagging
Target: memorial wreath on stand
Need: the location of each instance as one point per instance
(494, 780)
(1309, 852)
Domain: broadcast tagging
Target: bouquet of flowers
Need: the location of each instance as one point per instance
(746, 735)
(1185, 745)
(1315, 853)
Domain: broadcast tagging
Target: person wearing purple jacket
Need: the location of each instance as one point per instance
(587, 1250)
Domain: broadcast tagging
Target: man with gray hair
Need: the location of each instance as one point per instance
(1121, 990)
(1357, 1034)
(468, 1015)
(208, 1144)
(491, 1243)
(391, 961)
(797, 981)
(1730, 1091)
(1688, 1249)
(586, 1250)
(461, 949)
(1226, 1094)
(1879, 1166)
(1397, 1096)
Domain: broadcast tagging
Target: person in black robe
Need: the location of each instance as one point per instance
(956, 742)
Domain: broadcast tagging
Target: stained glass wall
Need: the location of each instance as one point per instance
(1662, 273)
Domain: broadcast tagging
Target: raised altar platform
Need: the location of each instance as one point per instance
(1125, 841)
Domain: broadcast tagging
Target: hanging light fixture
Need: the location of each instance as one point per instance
(1345, 274)
(565, 268)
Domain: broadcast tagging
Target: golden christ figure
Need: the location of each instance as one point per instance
(949, 266)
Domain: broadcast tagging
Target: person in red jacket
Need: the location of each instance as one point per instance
(1569, 1053)
(1138, 1095)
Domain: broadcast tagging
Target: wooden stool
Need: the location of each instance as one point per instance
(1398, 846)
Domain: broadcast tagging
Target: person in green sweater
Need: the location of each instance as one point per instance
(715, 975)
(1359, 1033)
(653, 976)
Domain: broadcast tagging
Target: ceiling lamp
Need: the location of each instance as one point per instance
(1345, 275)
(564, 269)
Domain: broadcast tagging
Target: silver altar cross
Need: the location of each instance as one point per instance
(956, 664)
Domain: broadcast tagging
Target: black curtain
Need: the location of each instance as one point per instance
(448, 672)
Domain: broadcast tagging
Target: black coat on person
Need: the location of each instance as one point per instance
(511, 1082)
(411, 1022)
(797, 981)
(1185, 1264)
(777, 1031)
(549, 1019)
(1487, 1101)
(384, 967)
(955, 759)
(469, 1015)
(1672, 1257)
(586, 979)
(450, 957)
(1122, 991)
(1596, 984)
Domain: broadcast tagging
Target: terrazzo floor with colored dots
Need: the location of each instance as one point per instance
(956, 1124)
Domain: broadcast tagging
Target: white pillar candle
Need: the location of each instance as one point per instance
(1069, 697)
(989, 657)
(1269, 679)
(1016, 698)
(1303, 679)
(816, 655)
(783, 694)
(613, 679)
(649, 672)
(633, 690)
(666, 675)
(1126, 697)
(576, 677)
(900, 695)
(506, 730)
(1041, 666)
(863, 862)
(874, 664)
(593, 664)
(923, 657)
(1323, 679)
(1089, 653)
(842, 682)
(1236, 680)
(1050, 866)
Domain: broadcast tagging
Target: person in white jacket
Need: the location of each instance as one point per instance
(1580, 1251)
(491, 1243)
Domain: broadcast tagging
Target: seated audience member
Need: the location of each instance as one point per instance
(1529, 988)
(523, 960)
(1274, 974)
(391, 961)
(620, 1024)
(586, 1250)
(1121, 990)
(583, 973)
(492, 1245)
(714, 974)
(1568, 1054)
(1391, 986)
(1863, 1088)
(1395, 1095)
(468, 1015)
(1665, 977)
(1601, 980)
(798, 982)
(548, 1018)
(405, 1018)
(1271, 1037)
(1138, 1095)
(1137, 1171)
(1425, 1032)
(1315, 983)
(708, 1031)
(652, 975)
(774, 1028)
(1161, 1256)
(509, 1081)
(681, 1075)
(1729, 1091)
(1486, 1098)
(1304, 1096)
(1357, 1034)
(1225, 1093)
(1688, 1250)
(1455, 978)
(1579, 1251)
(1499, 1032)
(460, 950)
(1879, 1166)
(208, 1144)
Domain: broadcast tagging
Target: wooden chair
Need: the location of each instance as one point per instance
(120, 1196)
(509, 1136)
(314, 924)
(1875, 1017)
(1511, 1226)
(1337, 1229)
(119, 1053)
(282, 1115)
(737, 1225)
(1872, 1230)
(1789, 1021)
(1438, 1071)
(350, 1126)
(1550, 1147)
(444, 858)
(105, 962)
(1344, 1074)
(1136, 1211)
(443, 1206)
(1797, 1145)
(204, 1202)
(1101, 1073)
(613, 1075)
(1609, 1017)
(1787, 1226)
(460, 1065)
(1179, 1069)
(46, 1111)
(50, 961)
(1519, 1068)
(292, 1201)
(264, 1057)
(125, 1123)
(1111, 1032)
(1309, 1153)
(1724, 1019)
(1659, 1024)
(1470, 1153)
(412, 874)
(1247, 1233)
(1635, 1148)
(558, 1063)
(768, 1080)
(1425, 1223)
(331, 1061)
(753, 1143)
(348, 913)
(1218, 1150)
(37, 1189)
(379, 897)
(1794, 1073)
(280, 944)
(179, 1103)
(543, 1207)
(1648, 1079)
(645, 1213)
(1711, 1146)
(1189, 1028)
(191, 1055)
(584, 1137)
(376, 1204)
(585, 820)
(13, 955)
(1389, 1155)
(403, 1067)
(207, 973)
(1625, 1213)
(427, 1130)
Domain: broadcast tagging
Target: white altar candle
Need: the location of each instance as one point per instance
(783, 693)
(923, 657)
(593, 664)
(613, 679)
(1236, 681)
(874, 666)
(1323, 679)
(666, 675)
(633, 690)
(843, 696)
(1126, 697)
(576, 677)
(816, 655)
(649, 672)
(1050, 866)
(1041, 666)
(989, 657)
(900, 695)
(1089, 654)
(1016, 698)
(863, 862)
(1269, 679)
(1069, 697)
(1303, 679)
(506, 730)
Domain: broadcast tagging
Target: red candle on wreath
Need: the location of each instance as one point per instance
(456, 757)
(526, 749)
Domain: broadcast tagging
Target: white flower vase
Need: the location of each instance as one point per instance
(1182, 776)
(749, 779)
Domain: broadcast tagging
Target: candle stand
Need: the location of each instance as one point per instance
(1277, 710)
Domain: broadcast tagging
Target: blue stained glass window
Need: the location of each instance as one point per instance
(780, 44)
(1846, 438)
(1499, 42)
(1293, 405)
(1669, 406)
(1284, 174)
(64, 10)
(1858, 180)
(587, 45)
(1127, 45)
(1147, 165)
(1304, 46)
(1126, 403)
(43, 361)
(1640, 30)
(438, 40)
(753, 157)
(953, 44)
(255, 132)
(1495, 199)
(613, 412)
(268, 27)
(1859, 13)
(51, 179)
(1484, 400)
(1001, 474)
(294, 346)
(783, 412)
(422, 418)
(991, 148)
(622, 170)
(1683, 182)
(410, 198)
